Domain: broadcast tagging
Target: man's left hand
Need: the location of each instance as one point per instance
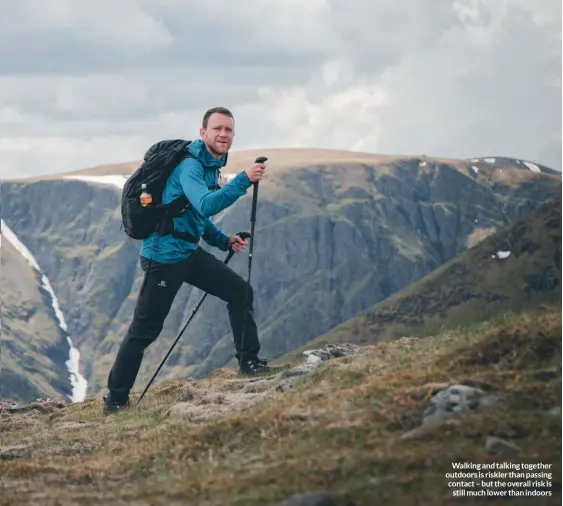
(236, 243)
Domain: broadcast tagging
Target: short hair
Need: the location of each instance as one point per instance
(209, 112)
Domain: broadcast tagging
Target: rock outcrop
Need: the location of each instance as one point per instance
(240, 394)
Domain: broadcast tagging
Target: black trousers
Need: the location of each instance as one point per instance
(160, 286)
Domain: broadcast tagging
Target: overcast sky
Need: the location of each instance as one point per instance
(85, 82)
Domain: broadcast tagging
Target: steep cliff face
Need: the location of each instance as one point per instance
(73, 231)
(514, 269)
(335, 234)
(33, 350)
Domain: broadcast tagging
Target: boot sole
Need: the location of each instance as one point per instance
(271, 370)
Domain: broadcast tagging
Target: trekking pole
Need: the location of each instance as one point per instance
(260, 159)
(243, 236)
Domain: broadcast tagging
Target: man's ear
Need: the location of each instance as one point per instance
(201, 132)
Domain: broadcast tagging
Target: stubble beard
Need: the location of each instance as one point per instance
(214, 151)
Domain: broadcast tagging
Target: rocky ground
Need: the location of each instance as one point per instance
(349, 425)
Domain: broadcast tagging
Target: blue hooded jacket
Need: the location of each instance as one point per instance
(192, 178)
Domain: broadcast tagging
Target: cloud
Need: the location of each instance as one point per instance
(81, 86)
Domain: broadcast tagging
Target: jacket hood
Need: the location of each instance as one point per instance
(199, 151)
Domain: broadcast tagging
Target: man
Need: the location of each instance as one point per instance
(169, 262)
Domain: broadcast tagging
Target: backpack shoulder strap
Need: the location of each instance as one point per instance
(176, 209)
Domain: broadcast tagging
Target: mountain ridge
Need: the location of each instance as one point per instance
(286, 157)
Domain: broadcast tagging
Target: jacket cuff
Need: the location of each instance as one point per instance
(224, 242)
(243, 181)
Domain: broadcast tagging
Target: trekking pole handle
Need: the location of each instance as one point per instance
(243, 236)
(260, 159)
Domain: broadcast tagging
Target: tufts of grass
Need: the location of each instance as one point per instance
(353, 429)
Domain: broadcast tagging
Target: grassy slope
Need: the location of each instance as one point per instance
(341, 431)
(32, 358)
(470, 287)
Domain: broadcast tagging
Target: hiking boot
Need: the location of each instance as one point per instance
(262, 361)
(114, 405)
(254, 366)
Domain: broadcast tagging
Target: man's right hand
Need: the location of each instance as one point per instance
(256, 172)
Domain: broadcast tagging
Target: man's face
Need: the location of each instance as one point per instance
(218, 136)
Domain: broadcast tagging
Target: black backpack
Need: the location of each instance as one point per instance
(159, 161)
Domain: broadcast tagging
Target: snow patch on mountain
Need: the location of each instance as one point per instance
(114, 180)
(532, 166)
(78, 382)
